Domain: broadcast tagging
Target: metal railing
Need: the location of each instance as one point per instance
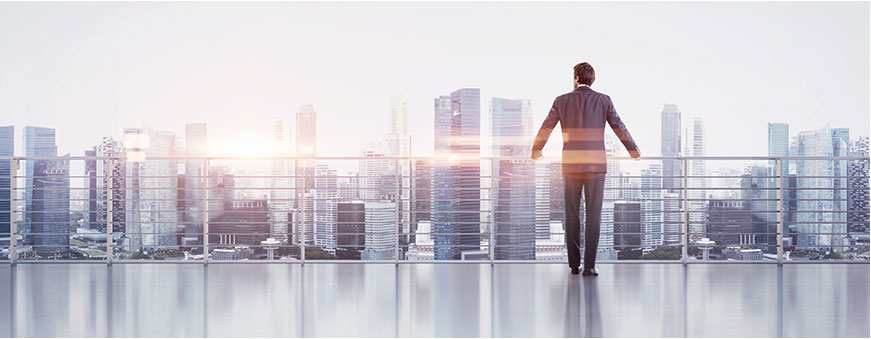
(425, 210)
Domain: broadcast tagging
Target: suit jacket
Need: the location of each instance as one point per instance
(582, 114)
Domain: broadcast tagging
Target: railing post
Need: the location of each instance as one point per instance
(205, 176)
(13, 224)
(685, 234)
(397, 199)
(110, 218)
(779, 168)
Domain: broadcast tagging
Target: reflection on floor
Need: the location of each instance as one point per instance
(433, 300)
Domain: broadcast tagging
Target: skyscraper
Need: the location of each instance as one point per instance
(372, 168)
(38, 142)
(326, 198)
(50, 208)
(514, 185)
(670, 135)
(457, 187)
(7, 149)
(818, 211)
(778, 146)
(651, 206)
(195, 146)
(280, 193)
(90, 174)
(697, 205)
(306, 144)
(857, 194)
(422, 195)
(151, 190)
(113, 167)
(399, 145)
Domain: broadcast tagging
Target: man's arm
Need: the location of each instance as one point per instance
(545, 130)
(621, 131)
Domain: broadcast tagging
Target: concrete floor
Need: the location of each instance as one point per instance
(433, 300)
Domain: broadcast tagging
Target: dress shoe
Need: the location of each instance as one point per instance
(575, 270)
(590, 272)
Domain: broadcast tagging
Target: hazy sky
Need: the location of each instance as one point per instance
(91, 69)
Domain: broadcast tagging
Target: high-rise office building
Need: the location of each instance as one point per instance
(697, 205)
(651, 206)
(857, 195)
(556, 192)
(380, 230)
(372, 168)
(457, 187)
(399, 145)
(840, 148)
(670, 135)
(194, 171)
(90, 175)
(778, 142)
(281, 192)
(398, 140)
(7, 149)
(306, 145)
(671, 218)
(111, 171)
(50, 208)
(758, 200)
(513, 195)
(817, 216)
(326, 198)
(627, 229)
(542, 201)
(350, 229)
(422, 195)
(152, 189)
(38, 142)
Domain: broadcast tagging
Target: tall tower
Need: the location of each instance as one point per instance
(51, 208)
(457, 187)
(194, 172)
(38, 142)
(306, 144)
(670, 135)
(857, 195)
(697, 195)
(279, 184)
(514, 183)
(7, 149)
(816, 202)
(399, 145)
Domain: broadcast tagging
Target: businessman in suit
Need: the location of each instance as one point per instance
(582, 114)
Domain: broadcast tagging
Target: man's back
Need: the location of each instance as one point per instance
(582, 114)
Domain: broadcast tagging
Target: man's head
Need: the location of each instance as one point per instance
(584, 74)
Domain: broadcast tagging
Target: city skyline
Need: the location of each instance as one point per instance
(141, 76)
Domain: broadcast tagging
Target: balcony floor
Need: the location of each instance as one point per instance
(433, 300)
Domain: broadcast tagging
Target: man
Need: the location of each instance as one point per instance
(582, 114)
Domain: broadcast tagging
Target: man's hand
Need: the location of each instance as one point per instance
(536, 155)
(635, 154)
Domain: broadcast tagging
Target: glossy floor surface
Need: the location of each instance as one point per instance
(433, 300)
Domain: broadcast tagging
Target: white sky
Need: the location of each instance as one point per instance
(91, 69)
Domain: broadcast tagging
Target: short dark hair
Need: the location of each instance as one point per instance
(585, 73)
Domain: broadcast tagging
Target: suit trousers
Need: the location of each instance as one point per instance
(592, 185)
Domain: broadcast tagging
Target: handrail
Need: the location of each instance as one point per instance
(685, 235)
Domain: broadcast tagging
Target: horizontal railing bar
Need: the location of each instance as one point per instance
(430, 157)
